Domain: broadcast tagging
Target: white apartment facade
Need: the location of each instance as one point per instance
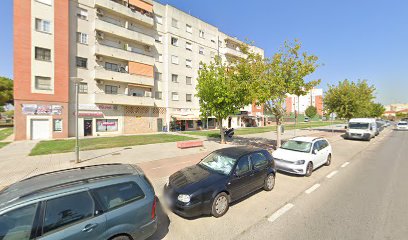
(139, 61)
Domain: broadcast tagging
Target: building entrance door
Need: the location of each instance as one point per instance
(159, 124)
(40, 129)
(87, 127)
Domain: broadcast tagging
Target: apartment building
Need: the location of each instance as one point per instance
(138, 59)
(299, 104)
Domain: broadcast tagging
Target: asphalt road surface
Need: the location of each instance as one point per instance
(367, 198)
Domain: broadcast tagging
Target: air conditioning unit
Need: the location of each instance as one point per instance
(99, 12)
(99, 58)
(148, 48)
(148, 94)
(100, 35)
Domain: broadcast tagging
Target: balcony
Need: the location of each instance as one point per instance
(125, 11)
(121, 99)
(234, 52)
(103, 74)
(123, 54)
(123, 32)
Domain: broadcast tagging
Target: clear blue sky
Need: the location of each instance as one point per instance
(354, 39)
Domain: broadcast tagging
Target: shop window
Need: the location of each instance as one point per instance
(106, 125)
(211, 122)
(57, 125)
(190, 124)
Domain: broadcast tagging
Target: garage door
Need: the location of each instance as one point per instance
(40, 129)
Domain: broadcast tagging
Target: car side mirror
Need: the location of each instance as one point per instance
(315, 151)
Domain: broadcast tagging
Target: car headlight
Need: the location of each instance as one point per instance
(300, 162)
(183, 198)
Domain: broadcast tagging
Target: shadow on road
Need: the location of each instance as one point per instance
(117, 152)
(163, 223)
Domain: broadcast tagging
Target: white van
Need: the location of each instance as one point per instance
(361, 128)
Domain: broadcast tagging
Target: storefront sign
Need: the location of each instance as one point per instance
(56, 109)
(94, 107)
(90, 114)
(29, 109)
(108, 123)
(35, 109)
(106, 107)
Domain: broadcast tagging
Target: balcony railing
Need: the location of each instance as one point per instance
(127, 54)
(103, 74)
(234, 52)
(124, 10)
(123, 32)
(122, 99)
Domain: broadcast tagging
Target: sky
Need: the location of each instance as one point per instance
(354, 39)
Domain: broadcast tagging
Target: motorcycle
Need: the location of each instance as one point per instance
(229, 133)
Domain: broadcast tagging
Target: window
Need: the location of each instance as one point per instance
(174, 96)
(212, 54)
(17, 224)
(174, 59)
(174, 78)
(190, 124)
(188, 81)
(82, 14)
(159, 19)
(48, 2)
(189, 46)
(201, 34)
(174, 41)
(111, 67)
(212, 40)
(189, 28)
(157, 76)
(81, 62)
(242, 166)
(57, 125)
(201, 51)
(158, 95)
(114, 196)
(189, 97)
(106, 125)
(82, 38)
(67, 210)
(42, 25)
(259, 161)
(42, 83)
(159, 58)
(174, 23)
(159, 38)
(42, 54)
(316, 146)
(189, 63)
(109, 89)
(83, 87)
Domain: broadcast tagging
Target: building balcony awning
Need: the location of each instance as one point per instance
(185, 117)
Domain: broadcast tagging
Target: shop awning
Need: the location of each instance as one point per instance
(185, 117)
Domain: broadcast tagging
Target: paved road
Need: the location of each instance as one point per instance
(367, 199)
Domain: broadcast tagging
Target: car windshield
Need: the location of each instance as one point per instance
(298, 146)
(218, 163)
(402, 124)
(358, 125)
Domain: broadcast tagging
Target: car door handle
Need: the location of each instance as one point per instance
(89, 227)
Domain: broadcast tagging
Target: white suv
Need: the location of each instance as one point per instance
(402, 125)
(301, 155)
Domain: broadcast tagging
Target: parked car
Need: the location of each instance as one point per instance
(220, 178)
(302, 155)
(402, 125)
(111, 201)
(362, 128)
(307, 119)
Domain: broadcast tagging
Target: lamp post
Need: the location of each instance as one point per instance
(76, 81)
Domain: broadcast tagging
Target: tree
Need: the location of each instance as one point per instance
(311, 112)
(376, 110)
(285, 74)
(220, 92)
(6, 91)
(349, 99)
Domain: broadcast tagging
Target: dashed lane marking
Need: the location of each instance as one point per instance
(345, 164)
(280, 212)
(312, 188)
(330, 175)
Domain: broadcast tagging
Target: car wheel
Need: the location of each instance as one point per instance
(220, 205)
(269, 182)
(328, 162)
(309, 169)
(121, 237)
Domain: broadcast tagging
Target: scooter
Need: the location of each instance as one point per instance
(229, 133)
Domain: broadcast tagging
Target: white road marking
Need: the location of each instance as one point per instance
(345, 164)
(280, 212)
(312, 188)
(332, 174)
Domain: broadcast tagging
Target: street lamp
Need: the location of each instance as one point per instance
(76, 81)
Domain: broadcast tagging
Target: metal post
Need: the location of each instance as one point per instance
(76, 123)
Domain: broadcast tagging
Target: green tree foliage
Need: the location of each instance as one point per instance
(285, 74)
(311, 111)
(376, 110)
(349, 99)
(6, 91)
(220, 92)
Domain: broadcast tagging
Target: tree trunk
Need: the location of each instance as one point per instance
(221, 132)
(278, 133)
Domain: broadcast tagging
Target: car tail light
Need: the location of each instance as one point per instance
(154, 207)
